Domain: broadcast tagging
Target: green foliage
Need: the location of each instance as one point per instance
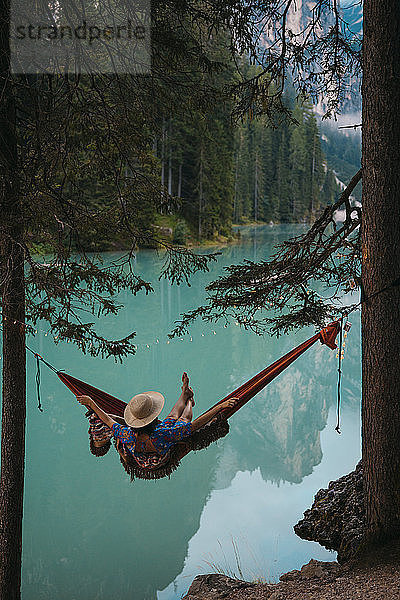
(300, 285)
(93, 149)
(214, 171)
(88, 180)
(195, 153)
(342, 149)
(281, 174)
(181, 233)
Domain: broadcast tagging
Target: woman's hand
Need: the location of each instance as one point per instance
(213, 412)
(90, 403)
(230, 403)
(85, 400)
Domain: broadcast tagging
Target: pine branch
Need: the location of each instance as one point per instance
(275, 295)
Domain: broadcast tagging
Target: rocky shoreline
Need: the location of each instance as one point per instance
(375, 577)
(337, 521)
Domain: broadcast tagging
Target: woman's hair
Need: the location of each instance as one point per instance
(147, 429)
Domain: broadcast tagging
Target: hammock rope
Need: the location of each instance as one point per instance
(337, 428)
(39, 359)
(38, 356)
(38, 383)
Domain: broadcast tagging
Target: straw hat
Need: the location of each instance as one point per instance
(143, 409)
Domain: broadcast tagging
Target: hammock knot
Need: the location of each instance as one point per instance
(329, 333)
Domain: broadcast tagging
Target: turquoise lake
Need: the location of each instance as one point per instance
(91, 534)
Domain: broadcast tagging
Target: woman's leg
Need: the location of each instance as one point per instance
(187, 414)
(180, 406)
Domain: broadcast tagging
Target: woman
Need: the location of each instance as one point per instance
(144, 436)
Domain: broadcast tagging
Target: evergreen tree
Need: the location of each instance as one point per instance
(298, 163)
(290, 167)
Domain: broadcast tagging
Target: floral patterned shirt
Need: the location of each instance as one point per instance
(165, 434)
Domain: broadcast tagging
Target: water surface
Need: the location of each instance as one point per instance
(90, 534)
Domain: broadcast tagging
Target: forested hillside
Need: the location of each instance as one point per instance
(343, 152)
(281, 174)
(219, 172)
(183, 164)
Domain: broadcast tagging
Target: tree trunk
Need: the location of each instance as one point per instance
(180, 181)
(381, 265)
(235, 197)
(200, 229)
(170, 161)
(312, 206)
(13, 423)
(256, 188)
(162, 157)
(13, 316)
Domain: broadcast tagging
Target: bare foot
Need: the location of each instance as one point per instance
(187, 392)
(191, 397)
(185, 382)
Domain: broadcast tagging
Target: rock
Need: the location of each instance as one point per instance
(336, 519)
(317, 568)
(290, 576)
(312, 569)
(214, 586)
(167, 231)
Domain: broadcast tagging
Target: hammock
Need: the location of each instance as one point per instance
(209, 433)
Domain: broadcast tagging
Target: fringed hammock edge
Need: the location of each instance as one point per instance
(211, 432)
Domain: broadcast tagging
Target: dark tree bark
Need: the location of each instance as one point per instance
(13, 315)
(13, 428)
(381, 265)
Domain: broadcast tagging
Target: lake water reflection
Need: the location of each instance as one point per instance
(90, 534)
